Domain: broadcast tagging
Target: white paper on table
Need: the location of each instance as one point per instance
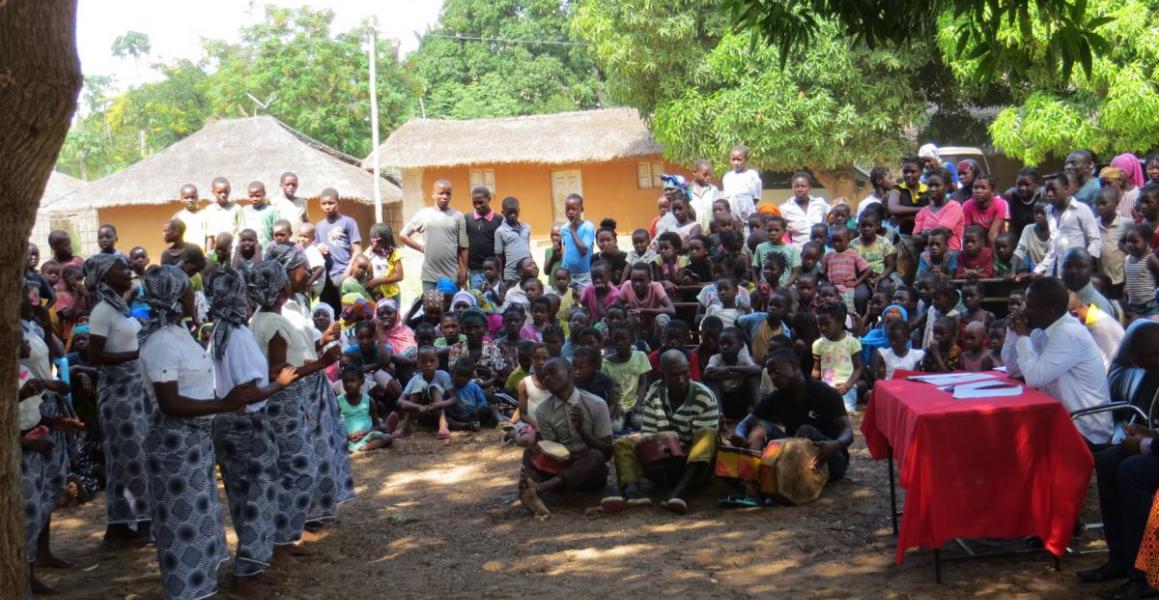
(966, 392)
(952, 378)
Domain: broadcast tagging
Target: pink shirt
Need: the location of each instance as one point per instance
(948, 216)
(596, 305)
(998, 210)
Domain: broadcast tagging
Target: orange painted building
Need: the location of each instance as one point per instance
(607, 156)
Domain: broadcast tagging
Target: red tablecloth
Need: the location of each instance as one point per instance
(985, 467)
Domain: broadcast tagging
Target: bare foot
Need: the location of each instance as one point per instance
(530, 499)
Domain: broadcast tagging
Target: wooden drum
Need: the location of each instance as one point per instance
(786, 471)
(740, 464)
(550, 457)
(657, 449)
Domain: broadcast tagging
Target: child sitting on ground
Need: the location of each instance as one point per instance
(629, 368)
(710, 330)
(836, 354)
(359, 415)
(943, 353)
(426, 396)
(470, 409)
(898, 355)
(733, 376)
(675, 337)
(586, 363)
(531, 394)
(553, 340)
(449, 325)
(974, 356)
(540, 317)
(524, 350)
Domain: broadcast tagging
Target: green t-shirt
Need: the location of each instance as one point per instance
(790, 252)
(874, 254)
(627, 376)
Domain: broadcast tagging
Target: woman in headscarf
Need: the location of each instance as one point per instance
(335, 482)
(1129, 183)
(878, 337)
(123, 410)
(392, 331)
(244, 441)
(430, 311)
(968, 170)
(178, 378)
(490, 365)
(44, 463)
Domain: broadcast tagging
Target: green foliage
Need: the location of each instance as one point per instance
(709, 88)
(1113, 106)
(133, 44)
(505, 73)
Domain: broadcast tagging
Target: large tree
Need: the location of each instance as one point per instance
(497, 58)
(39, 82)
(707, 88)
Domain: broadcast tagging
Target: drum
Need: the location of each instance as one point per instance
(658, 448)
(736, 463)
(550, 457)
(787, 474)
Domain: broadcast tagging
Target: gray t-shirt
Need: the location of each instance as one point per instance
(419, 385)
(514, 245)
(444, 233)
(555, 425)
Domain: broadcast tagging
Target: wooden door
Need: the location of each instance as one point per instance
(564, 183)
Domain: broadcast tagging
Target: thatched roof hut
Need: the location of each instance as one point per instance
(560, 138)
(242, 150)
(60, 192)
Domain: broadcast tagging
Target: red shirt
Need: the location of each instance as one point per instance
(983, 262)
(998, 210)
(693, 361)
(948, 216)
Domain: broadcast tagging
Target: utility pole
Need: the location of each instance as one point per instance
(374, 117)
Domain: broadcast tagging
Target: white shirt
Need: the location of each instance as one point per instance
(1064, 362)
(743, 191)
(799, 222)
(292, 210)
(119, 331)
(299, 347)
(194, 226)
(1107, 333)
(243, 362)
(865, 202)
(702, 204)
(171, 354)
(910, 362)
(220, 219)
(1075, 228)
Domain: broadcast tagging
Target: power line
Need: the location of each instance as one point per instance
(475, 38)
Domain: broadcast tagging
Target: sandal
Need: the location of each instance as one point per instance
(614, 504)
(675, 505)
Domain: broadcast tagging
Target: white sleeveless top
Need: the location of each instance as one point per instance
(299, 348)
(535, 396)
(910, 362)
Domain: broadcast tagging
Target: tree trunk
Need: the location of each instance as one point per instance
(839, 183)
(40, 79)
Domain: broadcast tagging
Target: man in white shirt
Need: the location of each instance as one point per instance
(223, 216)
(1055, 353)
(290, 207)
(193, 216)
(1072, 225)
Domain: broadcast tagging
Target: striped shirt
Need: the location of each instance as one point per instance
(698, 411)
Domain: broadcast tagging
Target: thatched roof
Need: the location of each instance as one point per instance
(570, 137)
(242, 150)
(59, 187)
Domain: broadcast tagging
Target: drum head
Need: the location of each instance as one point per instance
(797, 481)
(555, 450)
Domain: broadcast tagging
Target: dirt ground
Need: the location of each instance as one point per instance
(439, 519)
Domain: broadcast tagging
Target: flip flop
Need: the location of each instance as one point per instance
(737, 501)
(675, 505)
(614, 504)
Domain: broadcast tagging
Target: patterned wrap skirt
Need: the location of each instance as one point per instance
(334, 481)
(44, 477)
(188, 524)
(294, 463)
(124, 413)
(247, 453)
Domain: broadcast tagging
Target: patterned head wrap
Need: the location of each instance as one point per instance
(433, 298)
(358, 309)
(266, 281)
(287, 255)
(96, 268)
(228, 305)
(164, 287)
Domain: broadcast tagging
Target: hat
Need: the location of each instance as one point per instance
(674, 181)
(447, 285)
(929, 151)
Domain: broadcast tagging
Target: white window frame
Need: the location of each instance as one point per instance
(483, 177)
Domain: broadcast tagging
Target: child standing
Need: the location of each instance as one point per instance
(359, 414)
(974, 357)
(1141, 270)
(259, 215)
(742, 185)
(1112, 227)
(845, 268)
(944, 301)
(976, 260)
(836, 354)
(578, 238)
(513, 242)
(996, 337)
(359, 277)
(386, 267)
(898, 355)
(972, 294)
(553, 256)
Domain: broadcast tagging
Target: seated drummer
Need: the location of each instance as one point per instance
(580, 422)
(1128, 474)
(674, 404)
(808, 408)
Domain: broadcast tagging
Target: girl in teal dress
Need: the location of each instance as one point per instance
(362, 430)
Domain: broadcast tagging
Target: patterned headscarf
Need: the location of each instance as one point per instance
(287, 255)
(355, 308)
(266, 281)
(96, 267)
(228, 305)
(164, 287)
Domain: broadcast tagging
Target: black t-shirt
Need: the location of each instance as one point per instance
(601, 385)
(481, 238)
(616, 265)
(1021, 211)
(702, 270)
(821, 407)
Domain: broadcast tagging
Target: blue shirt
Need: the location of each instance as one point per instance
(572, 260)
(470, 398)
(949, 263)
(338, 236)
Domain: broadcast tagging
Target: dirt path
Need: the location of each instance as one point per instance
(437, 520)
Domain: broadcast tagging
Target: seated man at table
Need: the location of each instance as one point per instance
(1128, 475)
(674, 404)
(579, 421)
(807, 408)
(1055, 353)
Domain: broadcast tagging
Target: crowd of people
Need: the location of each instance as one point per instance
(274, 347)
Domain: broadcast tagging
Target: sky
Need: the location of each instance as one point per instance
(175, 29)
